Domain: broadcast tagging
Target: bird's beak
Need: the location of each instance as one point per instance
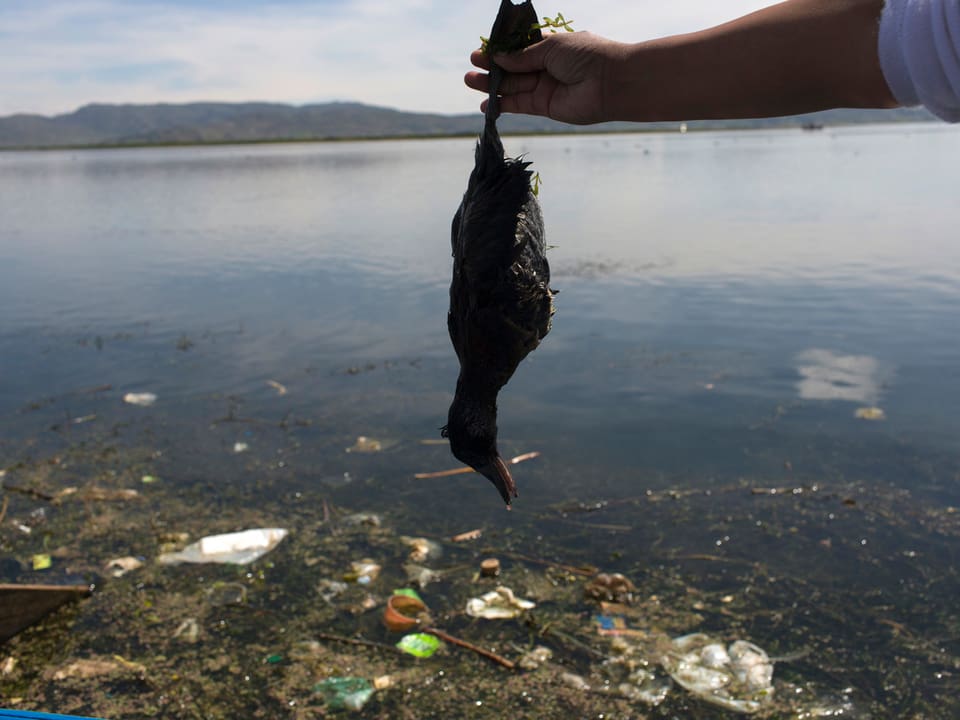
(497, 473)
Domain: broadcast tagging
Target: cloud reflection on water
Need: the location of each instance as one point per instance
(827, 375)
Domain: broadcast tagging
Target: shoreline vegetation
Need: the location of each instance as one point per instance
(97, 127)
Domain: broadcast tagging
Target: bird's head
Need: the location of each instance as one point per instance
(472, 431)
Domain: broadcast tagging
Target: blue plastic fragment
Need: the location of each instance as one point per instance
(27, 715)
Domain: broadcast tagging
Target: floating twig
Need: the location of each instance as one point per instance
(358, 641)
(585, 571)
(444, 473)
(509, 664)
(29, 492)
(547, 630)
(468, 535)
(3, 509)
(467, 469)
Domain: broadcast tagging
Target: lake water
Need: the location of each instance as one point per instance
(728, 302)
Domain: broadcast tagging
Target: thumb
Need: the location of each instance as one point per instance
(531, 59)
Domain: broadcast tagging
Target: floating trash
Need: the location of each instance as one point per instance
(365, 444)
(239, 548)
(419, 575)
(576, 682)
(535, 658)
(382, 682)
(870, 413)
(419, 645)
(344, 693)
(490, 567)
(646, 687)
(499, 604)
(97, 667)
(331, 589)
(240, 447)
(223, 594)
(118, 567)
(404, 612)
(141, 399)
(42, 562)
(362, 519)
(610, 588)
(467, 536)
(188, 630)
(738, 677)
(99, 494)
(279, 387)
(363, 571)
(421, 549)
(466, 469)
(616, 626)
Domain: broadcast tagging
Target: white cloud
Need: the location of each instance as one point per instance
(56, 55)
(826, 375)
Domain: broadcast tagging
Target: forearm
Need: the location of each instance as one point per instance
(794, 57)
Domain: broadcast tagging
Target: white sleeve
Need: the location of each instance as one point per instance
(920, 54)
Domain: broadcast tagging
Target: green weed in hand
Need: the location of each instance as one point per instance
(520, 40)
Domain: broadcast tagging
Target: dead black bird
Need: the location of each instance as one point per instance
(500, 298)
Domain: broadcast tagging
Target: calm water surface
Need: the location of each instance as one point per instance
(727, 302)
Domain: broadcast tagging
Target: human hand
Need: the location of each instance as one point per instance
(566, 76)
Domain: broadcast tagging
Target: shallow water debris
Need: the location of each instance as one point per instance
(363, 571)
(467, 536)
(611, 588)
(188, 630)
(344, 693)
(118, 567)
(369, 519)
(499, 604)
(421, 549)
(240, 447)
(42, 561)
(365, 444)
(535, 658)
(419, 575)
(738, 677)
(467, 469)
(96, 667)
(404, 612)
(239, 548)
(419, 645)
(870, 413)
(279, 387)
(575, 681)
(141, 399)
(490, 567)
(100, 494)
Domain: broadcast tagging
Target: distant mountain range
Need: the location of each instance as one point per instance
(198, 123)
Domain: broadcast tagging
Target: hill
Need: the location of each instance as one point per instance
(97, 125)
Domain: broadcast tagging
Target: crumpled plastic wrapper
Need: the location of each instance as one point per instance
(239, 548)
(499, 604)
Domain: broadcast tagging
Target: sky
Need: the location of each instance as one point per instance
(57, 55)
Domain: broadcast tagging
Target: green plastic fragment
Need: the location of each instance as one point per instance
(409, 592)
(274, 659)
(339, 693)
(419, 645)
(42, 562)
